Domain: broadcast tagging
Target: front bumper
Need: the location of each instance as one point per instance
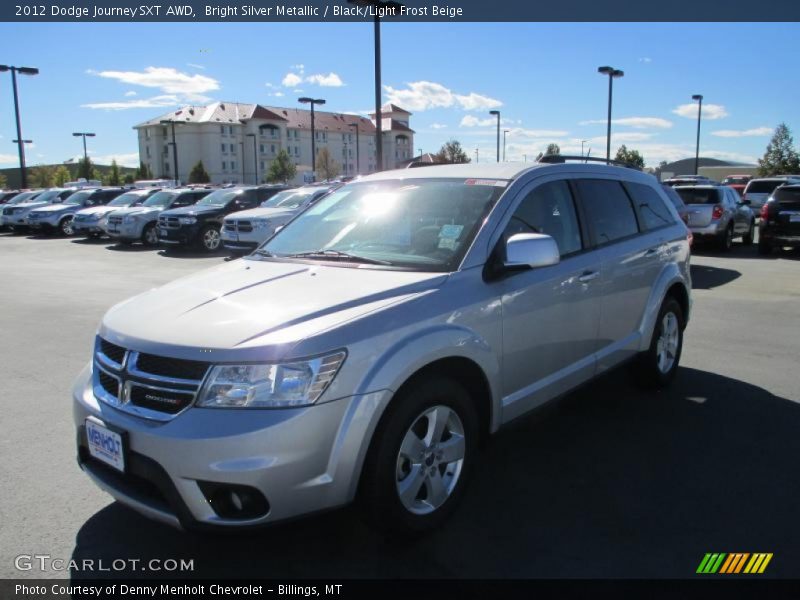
(183, 235)
(246, 241)
(86, 227)
(48, 222)
(302, 460)
(127, 231)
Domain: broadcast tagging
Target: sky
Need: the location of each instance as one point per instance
(542, 77)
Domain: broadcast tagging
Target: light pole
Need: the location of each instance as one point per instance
(497, 113)
(699, 99)
(312, 102)
(23, 176)
(84, 136)
(358, 159)
(174, 147)
(582, 143)
(505, 131)
(612, 73)
(477, 156)
(255, 155)
(388, 9)
(525, 158)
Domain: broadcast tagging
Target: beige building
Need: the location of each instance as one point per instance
(237, 142)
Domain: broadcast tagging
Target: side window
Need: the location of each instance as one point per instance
(608, 209)
(548, 209)
(183, 200)
(652, 210)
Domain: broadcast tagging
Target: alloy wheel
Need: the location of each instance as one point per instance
(667, 345)
(66, 227)
(211, 239)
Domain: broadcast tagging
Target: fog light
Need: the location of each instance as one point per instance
(231, 501)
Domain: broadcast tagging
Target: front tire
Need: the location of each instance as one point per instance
(421, 457)
(657, 366)
(150, 235)
(726, 240)
(747, 238)
(210, 239)
(65, 227)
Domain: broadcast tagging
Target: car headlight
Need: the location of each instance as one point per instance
(281, 385)
(96, 216)
(187, 220)
(260, 223)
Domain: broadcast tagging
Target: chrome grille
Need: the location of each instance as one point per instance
(170, 222)
(8, 211)
(115, 220)
(245, 226)
(230, 225)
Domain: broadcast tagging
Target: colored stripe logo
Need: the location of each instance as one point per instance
(734, 563)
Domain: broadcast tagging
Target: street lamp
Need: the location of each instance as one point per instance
(358, 159)
(23, 176)
(381, 7)
(174, 145)
(699, 99)
(505, 131)
(612, 73)
(312, 102)
(477, 156)
(497, 113)
(255, 155)
(84, 136)
(582, 143)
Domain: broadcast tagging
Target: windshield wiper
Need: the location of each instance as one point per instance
(263, 252)
(338, 255)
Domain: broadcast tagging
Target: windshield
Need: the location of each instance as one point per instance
(23, 197)
(699, 195)
(289, 198)
(78, 197)
(45, 196)
(128, 199)
(422, 224)
(160, 199)
(219, 198)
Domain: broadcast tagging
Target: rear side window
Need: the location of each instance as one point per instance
(549, 209)
(652, 210)
(763, 186)
(608, 209)
(700, 195)
(184, 200)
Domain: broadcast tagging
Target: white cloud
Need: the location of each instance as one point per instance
(329, 80)
(6, 159)
(624, 137)
(473, 121)
(424, 95)
(195, 66)
(437, 126)
(710, 111)
(635, 122)
(291, 80)
(538, 133)
(124, 159)
(297, 91)
(645, 59)
(129, 94)
(154, 102)
(734, 133)
(276, 94)
(170, 81)
(299, 67)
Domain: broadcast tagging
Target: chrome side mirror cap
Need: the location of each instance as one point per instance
(531, 250)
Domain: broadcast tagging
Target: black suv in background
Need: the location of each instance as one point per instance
(779, 224)
(201, 223)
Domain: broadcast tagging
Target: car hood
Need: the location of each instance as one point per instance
(136, 210)
(193, 210)
(54, 208)
(256, 309)
(263, 213)
(93, 210)
(30, 205)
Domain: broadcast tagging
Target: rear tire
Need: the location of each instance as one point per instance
(747, 238)
(420, 458)
(656, 367)
(150, 235)
(209, 239)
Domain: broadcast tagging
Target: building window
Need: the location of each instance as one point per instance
(233, 148)
(147, 134)
(147, 151)
(166, 167)
(224, 165)
(233, 165)
(297, 150)
(261, 148)
(223, 148)
(272, 148)
(262, 165)
(164, 131)
(296, 134)
(222, 129)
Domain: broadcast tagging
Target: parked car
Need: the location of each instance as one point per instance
(17, 216)
(7, 195)
(91, 221)
(367, 347)
(737, 182)
(201, 223)
(758, 190)
(779, 225)
(8, 208)
(677, 202)
(243, 231)
(58, 217)
(717, 214)
(139, 223)
(688, 180)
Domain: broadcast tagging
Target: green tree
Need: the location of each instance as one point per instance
(3, 181)
(129, 178)
(114, 177)
(61, 176)
(143, 172)
(326, 167)
(552, 149)
(451, 153)
(198, 174)
(630, 157)
(281, 169)
(780, 157)
(86, 169)
(41, 176)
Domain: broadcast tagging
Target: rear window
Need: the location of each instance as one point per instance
(700, 195)
(762, 187)
(652, 209)
(788, 196)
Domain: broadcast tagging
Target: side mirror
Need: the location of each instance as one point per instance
(278, 228)
(746, 202)
(530, 250)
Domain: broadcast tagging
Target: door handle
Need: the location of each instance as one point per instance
(651, 252)
(589, 276)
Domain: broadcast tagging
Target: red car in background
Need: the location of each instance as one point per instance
(737, 182)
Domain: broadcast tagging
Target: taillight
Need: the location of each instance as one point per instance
(717, 212)
(764, 214)
(689, 236)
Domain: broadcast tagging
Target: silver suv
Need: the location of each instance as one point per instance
(366, 348)
(717, 214)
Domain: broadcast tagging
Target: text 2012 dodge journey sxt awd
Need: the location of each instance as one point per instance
(364, 349)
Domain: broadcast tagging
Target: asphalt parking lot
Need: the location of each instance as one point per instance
(607, 482)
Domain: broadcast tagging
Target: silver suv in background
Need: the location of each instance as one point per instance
(91, 221)
(138, 223)
(717, 214)
(759, 190)
(58, 217)
(17, 215)
(366, 348)
(245, 230)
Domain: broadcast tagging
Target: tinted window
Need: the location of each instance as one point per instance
(548, 209)
(700, 195)
(608, 209)
(652, 210)
(673, 196)
(764, 186)
(184, 200)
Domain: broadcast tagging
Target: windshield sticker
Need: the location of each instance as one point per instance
(492, 182)
(450, 231)
(447, 243)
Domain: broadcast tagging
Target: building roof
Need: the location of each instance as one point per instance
(216, 112)
(426, 159)
(299, 118)
(391, 108)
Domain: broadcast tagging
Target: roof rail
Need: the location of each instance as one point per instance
(554, 159)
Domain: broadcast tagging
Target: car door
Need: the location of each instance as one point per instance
(629, 259)
(550, 314)
(742, 213)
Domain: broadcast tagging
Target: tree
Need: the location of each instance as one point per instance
(451, 153)
(129, 178)
(41, 177)
(281, 169)
(61, 176)
(3, 181)
(86, 169)
(781, 157)
(326, 166)
(552, 149)
(114, 177)
(143, 172)
(630, 157)
(198, 174)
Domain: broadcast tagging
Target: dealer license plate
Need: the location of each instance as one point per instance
(105, 445)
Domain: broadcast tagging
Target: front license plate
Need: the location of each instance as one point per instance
(794, 218)
(105, 445)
